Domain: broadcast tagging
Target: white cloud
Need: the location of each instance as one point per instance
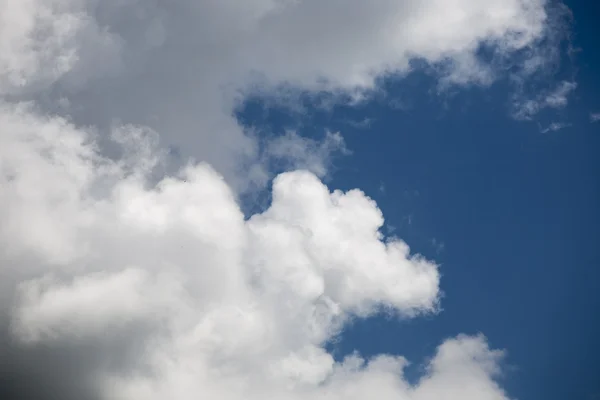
(117, 283)
(44, 40)
(559, 97)
(556, 98)
(365, 123)
(178, 67)
(50, 310)
(304, 153)
(594, 117)
(220, 305)
(555, 126)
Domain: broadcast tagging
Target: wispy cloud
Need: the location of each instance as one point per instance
(555, 126)
(556, 98)
(365, 123)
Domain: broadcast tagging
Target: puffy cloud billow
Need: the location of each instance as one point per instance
(119, 281)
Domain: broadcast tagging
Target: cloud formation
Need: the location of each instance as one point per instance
(169, 291)
(555, 126)
(121, 281)
(180, 67)
(556, 98)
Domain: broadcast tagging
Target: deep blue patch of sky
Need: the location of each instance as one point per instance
(511, 214)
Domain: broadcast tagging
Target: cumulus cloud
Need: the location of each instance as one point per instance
(119, 280)
(180, 67)
(594, 117)
(167, 290)
(42, 41)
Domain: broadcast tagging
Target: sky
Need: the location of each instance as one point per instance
(277, 199)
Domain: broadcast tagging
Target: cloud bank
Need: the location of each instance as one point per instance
(119, 280)
(181, 67)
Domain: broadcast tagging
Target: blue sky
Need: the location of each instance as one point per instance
(213, 199)
(509, 211)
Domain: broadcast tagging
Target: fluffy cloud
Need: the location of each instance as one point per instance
(147, 292)
(119, 281)
(180, 67)
(167, 290)
(41, 41)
